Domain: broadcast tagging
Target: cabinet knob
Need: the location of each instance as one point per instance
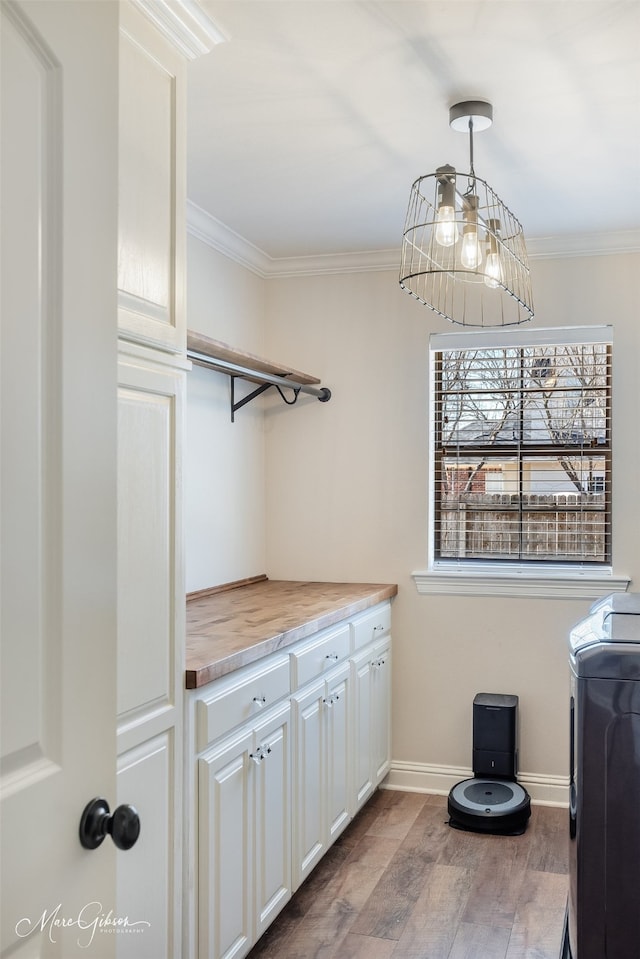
(379, 628)
(332, 656)
(123, 825)
(260, 701)
(261, 754)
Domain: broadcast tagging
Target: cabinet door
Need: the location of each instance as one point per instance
(151, 630)
(146, 879)
(338, 752)
(362, 783)
(152, 188)
(225, 850)
(309, 780)
(381, 711)
(272, 853)
(151, 624)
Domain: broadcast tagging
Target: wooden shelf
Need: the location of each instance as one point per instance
(217, 350)
(215, 355)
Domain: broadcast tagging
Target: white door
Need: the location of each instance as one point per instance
(58, 455)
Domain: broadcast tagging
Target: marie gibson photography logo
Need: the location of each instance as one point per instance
(91, 919)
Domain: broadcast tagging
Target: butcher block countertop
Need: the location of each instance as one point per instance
(233, 627)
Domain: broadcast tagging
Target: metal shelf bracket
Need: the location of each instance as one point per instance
(266, 380)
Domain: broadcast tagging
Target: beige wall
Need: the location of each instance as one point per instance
(224, 461)
(343, 485)
(347, 497)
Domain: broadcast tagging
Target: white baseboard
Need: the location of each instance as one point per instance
(439, 780)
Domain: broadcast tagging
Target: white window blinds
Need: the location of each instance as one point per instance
(521, 446)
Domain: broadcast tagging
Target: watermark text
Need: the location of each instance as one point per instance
(90, 919)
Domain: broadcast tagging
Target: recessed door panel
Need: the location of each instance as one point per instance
(147, 872)
(151, 181)
(148, 484)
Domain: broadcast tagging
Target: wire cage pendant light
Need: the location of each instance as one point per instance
(463, 251)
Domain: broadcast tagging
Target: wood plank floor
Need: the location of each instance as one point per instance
(400, 883)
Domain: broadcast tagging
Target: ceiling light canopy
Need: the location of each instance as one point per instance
(463, 250)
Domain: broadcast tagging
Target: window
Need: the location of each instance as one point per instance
(521, 448)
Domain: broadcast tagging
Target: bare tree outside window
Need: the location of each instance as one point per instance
(522, 453)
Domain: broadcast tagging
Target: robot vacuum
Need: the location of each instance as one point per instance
(492, 802)
(489, 805)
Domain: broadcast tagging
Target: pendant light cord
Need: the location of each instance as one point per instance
(472, 172)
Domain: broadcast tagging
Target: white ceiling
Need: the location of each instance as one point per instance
(308, 125)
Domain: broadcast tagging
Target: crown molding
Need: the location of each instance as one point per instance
(220, 237)
(363, 262)
(185, 24)
(584, 244)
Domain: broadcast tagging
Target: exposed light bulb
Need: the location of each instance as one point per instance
(446, 231)
(471, 252)
(493, 271)
(493, 275)
(446, 226)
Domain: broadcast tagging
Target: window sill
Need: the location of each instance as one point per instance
(545, 584)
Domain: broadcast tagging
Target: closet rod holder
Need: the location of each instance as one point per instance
(265, 379)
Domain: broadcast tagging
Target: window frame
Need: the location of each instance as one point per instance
(530, 577)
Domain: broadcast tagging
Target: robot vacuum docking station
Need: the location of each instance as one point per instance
(492, 801)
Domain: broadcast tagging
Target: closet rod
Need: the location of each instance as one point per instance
(233, 369)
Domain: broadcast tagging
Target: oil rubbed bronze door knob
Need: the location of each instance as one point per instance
(123, 825)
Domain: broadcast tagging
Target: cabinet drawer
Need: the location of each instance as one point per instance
(319, 655)
(371, 625)
(239, 697)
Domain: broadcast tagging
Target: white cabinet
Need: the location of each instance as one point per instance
(225, 847)
(371, 677)
(282, 753)
(147, 874)
(240, 697)
(381, 710)
(339, 750)
(317, 656)
(272, 842)
(244, 786)
(321, 767)
(154, 45)
(370, 626)
(362, 728)
(150, 661)
(151, 630)
(152, 185)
